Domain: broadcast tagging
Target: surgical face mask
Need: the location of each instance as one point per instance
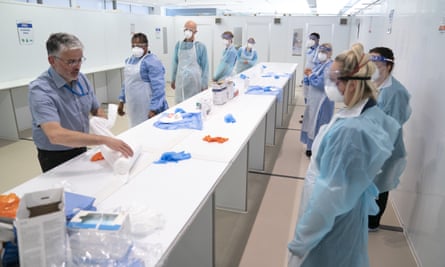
(322, 57)
(225, 42)
(249, 45)
(376, 75)
(137, 52)
(188, 34)
(310, 43)
(333, 93)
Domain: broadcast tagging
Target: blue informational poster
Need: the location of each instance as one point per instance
(25, 31)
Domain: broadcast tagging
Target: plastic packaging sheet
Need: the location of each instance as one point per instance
(190, 120)
(109, 249)
(265, 90)
(124, 248)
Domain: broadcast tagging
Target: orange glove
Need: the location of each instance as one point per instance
(9, 205)
(218, 139)
(96, 157)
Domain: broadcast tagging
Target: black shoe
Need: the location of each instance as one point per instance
(302, 116)
(300, 121)
(308, 153)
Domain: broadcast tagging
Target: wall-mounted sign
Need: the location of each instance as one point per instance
(25, 32)
(158, 33)
(391, 18)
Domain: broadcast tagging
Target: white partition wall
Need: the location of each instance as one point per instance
(8, 129)
(418, 48)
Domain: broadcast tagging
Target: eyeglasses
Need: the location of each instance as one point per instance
(72, 62)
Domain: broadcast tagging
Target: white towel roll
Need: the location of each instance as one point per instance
(102, 126)
(120, 164)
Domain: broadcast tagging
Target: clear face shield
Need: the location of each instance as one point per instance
(377, 58)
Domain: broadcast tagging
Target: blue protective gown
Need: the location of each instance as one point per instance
(393, 99)
(311, 62)
(246, 59)
(312, 57)
(144, 87)
(190, 69)
(227, 63)
(339, 192)
(319, 109)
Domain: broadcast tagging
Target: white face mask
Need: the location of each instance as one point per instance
(322, 57)
(137, 51)
(376, 75)
(249, 45)
(333, 93)
(225, 42)
(188, 34)
(310, 43)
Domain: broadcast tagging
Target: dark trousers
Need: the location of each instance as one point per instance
(51, 159)
(374, 221)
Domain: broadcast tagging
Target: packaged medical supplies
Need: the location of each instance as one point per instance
(112, 221)
(205, 105)
(41, 229)
(220, 93)
(223, 91)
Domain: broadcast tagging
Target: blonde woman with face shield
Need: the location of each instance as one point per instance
(339, 192)
(319, 109)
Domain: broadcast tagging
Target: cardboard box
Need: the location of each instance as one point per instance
(41, 229)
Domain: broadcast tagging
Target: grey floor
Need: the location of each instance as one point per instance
(259, 237)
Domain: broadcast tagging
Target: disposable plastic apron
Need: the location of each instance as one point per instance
(315, 98)
(188, 77)
(137, 94)
(313, 170)
(245, 56)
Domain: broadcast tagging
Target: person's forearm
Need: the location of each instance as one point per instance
(71, 138)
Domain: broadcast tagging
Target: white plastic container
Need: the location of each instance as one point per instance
(220, 93)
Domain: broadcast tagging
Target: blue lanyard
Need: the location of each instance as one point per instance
(74, 92)
(71, 89)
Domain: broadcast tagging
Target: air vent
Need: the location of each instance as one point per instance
(343, 21)
(277, 20)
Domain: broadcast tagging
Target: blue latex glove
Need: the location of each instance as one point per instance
(179, 110)
(173, 157)
(243, 76)
(229, 118)
(306, 80)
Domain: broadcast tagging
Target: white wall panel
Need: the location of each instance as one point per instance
(418, 48)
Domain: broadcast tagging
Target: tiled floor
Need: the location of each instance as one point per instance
(259, 237)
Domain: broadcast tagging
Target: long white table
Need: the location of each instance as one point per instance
(185, 193)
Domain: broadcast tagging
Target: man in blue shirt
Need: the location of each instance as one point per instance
(61, 100)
